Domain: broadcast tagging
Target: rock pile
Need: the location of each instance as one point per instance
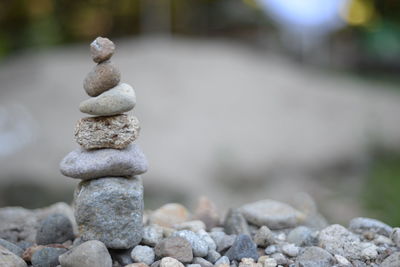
(108, 201)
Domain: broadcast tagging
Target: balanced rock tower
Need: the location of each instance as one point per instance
(108, 202)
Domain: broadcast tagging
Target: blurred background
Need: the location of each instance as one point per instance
(239, 100)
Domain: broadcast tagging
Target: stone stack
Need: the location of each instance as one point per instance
(108, 202)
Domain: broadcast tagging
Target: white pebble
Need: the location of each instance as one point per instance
(342, 261)
(290, 250)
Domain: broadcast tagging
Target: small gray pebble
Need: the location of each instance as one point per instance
(199, 246)
(280, 258)
(55, 229)
(122, 256)
(213, 256)
(222, 260)
(152, 235)
(11, 247)
(47, 257)
(202, 262)
(193, 265)
(301, 236)
(222, 240)
(362, 224)
(143, 254)
(235, 223)
(271, 249)
(243, 247)
(89, 254)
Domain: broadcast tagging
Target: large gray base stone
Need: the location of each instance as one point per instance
(110, 210)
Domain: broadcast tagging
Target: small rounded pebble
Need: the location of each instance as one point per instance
(270, 262)
(143, 254)
(170, 262)
(115, 101)
(243, 247)
(271, 249)
(169, 215)
(202, 262)
(300, 236)
(47, 257)
(103, 77)
(264, 237)
(199, 246)
(222, 260)
(55, 229)
(342, 261)
(152, 235)
(290, 250)
(175, 247)
(11, 247)
(89, 254)
(101, 49)
(190, 225)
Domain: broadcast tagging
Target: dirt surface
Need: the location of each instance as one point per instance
(217, 118)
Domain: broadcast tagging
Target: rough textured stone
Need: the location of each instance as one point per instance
(169, 215)
(117, 100)
(101, 49)
(8, 259)
(110, 210)
(175, 247)
(19, 224)
(274, 214)
(170, 262)
(392, 261)
(202, 262)
(243, 247)
(213, 256)
(122, 256)
(222, 240)
(301, 236)
(199, 246)
(88, 254)
(152, 235)
(222, 260)
(360, 224)
(47, 257)
(290, 250)
(235, 223)
(194, 226)
(91, 164)
(264, 237)
(107, 132)
(207, 212)
(143, 254)
(102, 77)
(394, 236)
(207, 238)
(315, 257)
(338, 240)
(11, 247)
(55, 229)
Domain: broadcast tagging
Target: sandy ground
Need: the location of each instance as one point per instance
(218, 119)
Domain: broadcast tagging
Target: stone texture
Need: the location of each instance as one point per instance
(235, 223)
(110, 210)
(55, 229)
(315, 257)
(207, 238)
(394, 236)
(107, 132)
(207, 212)
(11, 247)
(19, 224)
(170, 262)
(243, 247)
(115, 101)
(169, 215)
(90, 164)
(101, 49)
(301, 236)
(122, 256)
(143, 254)
(338, 240)
(222, 260)
(202, 262)
(361, 224)
(102, 77)
(222, 240)
(264, 237)
(89, 254)
(175, 247)
(290, 250)
(274, 214)
(194, 226)
(152, 235)
(8, 259)
(392, 261)
(47, 257)
(199, 245)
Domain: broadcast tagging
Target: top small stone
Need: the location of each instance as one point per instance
(102, 49)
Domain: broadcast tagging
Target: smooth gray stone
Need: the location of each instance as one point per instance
(110, 210)
(47, 257)
(11, 247)
(243, 247)
(7, 258)
(89, 254)
(315, 257)
(235, 223)
(115, 101)
(55, 229)
(361, 224)
(143, 254)
(90, 164)
(199, 245)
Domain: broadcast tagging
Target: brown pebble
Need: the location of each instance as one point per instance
(175, 247)
(102, 49)
(103, 77)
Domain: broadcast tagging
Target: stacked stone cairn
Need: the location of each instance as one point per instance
(108, 202)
